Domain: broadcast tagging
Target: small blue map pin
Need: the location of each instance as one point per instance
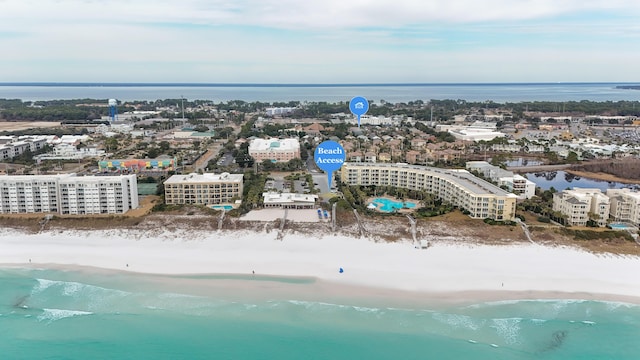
(359, 106)
(329, 157)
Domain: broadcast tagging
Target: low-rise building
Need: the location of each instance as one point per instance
(289, 200)
(580, 205)
(203, 189)
(137, 165)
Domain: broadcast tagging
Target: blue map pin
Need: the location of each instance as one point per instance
(359, 106)
(329, 157)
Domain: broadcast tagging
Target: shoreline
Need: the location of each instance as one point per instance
(267, 288)
(601, 176)
(448, 272)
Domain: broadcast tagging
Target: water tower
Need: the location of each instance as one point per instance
(113, 110)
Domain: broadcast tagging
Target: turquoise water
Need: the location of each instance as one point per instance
(388, 205)
(48, 314)
(619, 226)
(222, 207)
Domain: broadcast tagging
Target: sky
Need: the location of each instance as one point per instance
(320, 41)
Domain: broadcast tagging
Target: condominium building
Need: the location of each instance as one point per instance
(203, 189)
(277, 150)
(517, 184)
(457, 187)
(68, 194)
(581, 205)
(11, 147)
(625, 205)
(98, 194)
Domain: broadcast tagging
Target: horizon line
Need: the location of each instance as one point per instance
(196, 84)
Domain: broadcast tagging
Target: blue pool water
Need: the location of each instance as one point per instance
(618, 226)
(222, 207)
(388, 205)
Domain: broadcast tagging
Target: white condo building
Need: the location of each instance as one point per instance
(577, 204)
(277, 150)
(458, 187)
(517, 184)
(625, 205)
(68, 194)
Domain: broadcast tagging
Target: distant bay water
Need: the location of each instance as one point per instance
(497, 92)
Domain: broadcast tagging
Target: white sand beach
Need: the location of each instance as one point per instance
(444, 270)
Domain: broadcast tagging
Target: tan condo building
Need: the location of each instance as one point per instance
(203, 189)
(276, 150)
(625, 205)
(458, 187)
(580, 205)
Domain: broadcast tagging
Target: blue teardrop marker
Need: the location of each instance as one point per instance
(329, 157)
(359, 106)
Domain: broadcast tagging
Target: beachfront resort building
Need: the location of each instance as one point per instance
(276, 150)
(478, 197)
(289, 200)
(625, 205)
(203, 189)
(68, 194)
(580, 205)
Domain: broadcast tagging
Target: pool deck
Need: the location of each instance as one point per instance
(402, 211)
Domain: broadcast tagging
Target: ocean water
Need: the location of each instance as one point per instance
(54, 314)
(394, 93)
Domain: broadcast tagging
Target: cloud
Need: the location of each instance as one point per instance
(308, 14)
(317, 40)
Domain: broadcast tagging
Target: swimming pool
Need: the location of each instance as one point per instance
(222, 207)
(388, 205)
(619, 226)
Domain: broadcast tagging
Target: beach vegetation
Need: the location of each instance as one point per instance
(252, 193)
(491, 221)
(606, 235)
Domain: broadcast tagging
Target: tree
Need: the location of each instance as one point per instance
(111, 144)
(164, 146)
(153, 152)
(572, 158)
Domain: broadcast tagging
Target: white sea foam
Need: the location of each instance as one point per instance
(508, 329)
(587, 322)
(72, 288)
(614, 305)
(57, 314)
(458, 321)
(43, 284)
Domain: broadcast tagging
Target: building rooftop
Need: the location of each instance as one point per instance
(274, 144)
(279, 198)
(205, 178)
